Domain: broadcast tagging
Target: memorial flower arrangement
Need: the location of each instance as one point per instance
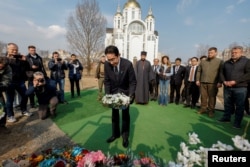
(117, 101)
(187, 157)
(190, 154)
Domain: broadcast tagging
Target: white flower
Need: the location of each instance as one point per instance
(117, 101)
(173, 164)
(241, 143)
(222, 147)
(193, 138)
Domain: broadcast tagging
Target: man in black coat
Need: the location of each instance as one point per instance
(176, 81)
(192, 90)
(119, 78)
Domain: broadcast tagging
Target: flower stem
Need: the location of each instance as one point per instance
(245, 130)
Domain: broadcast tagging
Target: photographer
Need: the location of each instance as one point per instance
(5, 79)
(57, 67)
(75, 74)
(46, 95)
(35, 64)
(19, 66)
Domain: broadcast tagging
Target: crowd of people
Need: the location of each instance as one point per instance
(163, 82)
(25, 76)
(200, 79)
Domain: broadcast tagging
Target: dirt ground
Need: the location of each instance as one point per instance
(30, 135)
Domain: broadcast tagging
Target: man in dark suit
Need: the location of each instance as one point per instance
(192, 90)
(176, 81)
(119, 78)
(155, 84)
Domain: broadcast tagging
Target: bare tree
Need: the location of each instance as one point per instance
(2, 47)
(202, 50)
(86, 29)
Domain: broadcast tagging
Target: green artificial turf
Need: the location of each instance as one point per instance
(154, 129)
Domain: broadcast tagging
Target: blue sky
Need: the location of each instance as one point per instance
(182, 25)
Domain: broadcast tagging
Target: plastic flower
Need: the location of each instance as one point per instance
(92, 158)
(117, 101)
(241, 143)
(193, 138)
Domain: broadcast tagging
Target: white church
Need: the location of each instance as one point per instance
(131, 34)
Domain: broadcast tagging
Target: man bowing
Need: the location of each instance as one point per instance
(119, 78)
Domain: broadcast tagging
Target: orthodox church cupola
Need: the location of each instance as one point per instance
(150, 14)
(150, 21)
(118, 12)
(132, 4)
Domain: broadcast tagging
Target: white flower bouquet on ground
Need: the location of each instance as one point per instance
(116, 101)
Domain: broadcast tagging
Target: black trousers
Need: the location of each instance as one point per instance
(154, 89)
(192, 93)
(116, 123)
(74, 81)
(175, 89)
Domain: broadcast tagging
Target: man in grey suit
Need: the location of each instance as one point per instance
(119, 78)
(153, 87)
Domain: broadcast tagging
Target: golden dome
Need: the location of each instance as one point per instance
(118, 14)
(132, 4)
(150, 17)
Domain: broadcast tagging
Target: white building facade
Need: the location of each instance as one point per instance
(131, 34)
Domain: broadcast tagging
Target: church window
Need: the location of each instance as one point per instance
(136, 28)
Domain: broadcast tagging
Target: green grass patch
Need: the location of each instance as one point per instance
(154, 129)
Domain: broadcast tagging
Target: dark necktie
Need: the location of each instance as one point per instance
(116, 70)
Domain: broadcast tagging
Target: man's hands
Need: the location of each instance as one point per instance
(198, 83)
(132, 98)
(229, 83)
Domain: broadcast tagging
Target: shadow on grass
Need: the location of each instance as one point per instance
(95, 133)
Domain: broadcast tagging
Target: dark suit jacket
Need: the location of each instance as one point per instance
(125, 83)
(155, 72)
(188, 72)
(176, 79)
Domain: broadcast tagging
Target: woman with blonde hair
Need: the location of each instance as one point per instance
(165, 71)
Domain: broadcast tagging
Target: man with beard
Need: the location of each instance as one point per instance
(144, 76)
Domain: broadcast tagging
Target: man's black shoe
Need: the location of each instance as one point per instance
(170, 101)
(236, 127)
(111, 139)
(193, 106)
(224, 120)
(186, 105)
(125, 142)
(177, 103)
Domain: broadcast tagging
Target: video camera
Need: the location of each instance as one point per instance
(59, 59)
(74, 62)
(41, 80)
(17, 56)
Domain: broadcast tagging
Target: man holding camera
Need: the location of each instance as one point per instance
(57, 67)
(35, 64)
(46, 95)
(18, 65)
